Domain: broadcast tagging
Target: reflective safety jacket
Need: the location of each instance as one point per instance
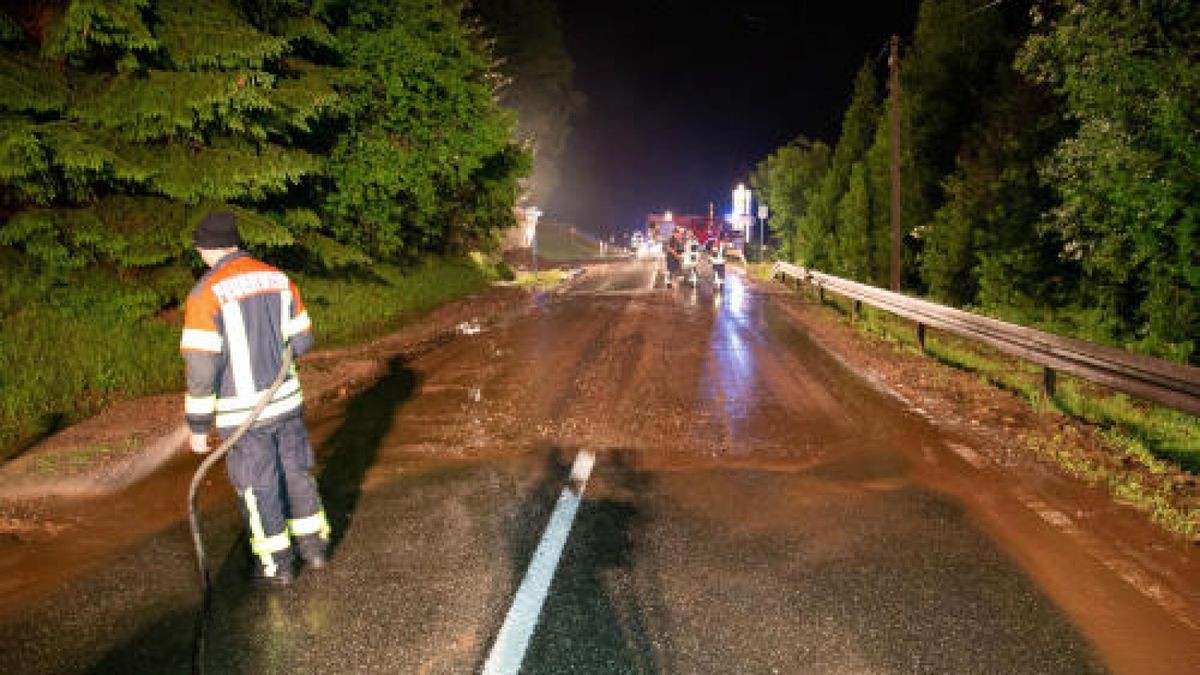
(236, 322)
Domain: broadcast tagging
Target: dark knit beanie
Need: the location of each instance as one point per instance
(217, 230)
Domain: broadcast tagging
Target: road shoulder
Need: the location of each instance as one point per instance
(117, 448)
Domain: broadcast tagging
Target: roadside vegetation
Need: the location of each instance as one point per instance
(544, 279)
(61, 364)
(565, 244)
(1049, 162)
(1049, 165)
(1150, 443)
(364, 147)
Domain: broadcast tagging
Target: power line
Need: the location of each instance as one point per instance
(986, 7)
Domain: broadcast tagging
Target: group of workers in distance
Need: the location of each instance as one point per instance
(682, 252)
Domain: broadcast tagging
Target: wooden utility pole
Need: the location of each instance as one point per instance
(894, 96)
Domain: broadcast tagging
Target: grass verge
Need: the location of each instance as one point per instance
(760, 271)
(544, 279)
(1150, 444)
(57, 368)
(564, 243)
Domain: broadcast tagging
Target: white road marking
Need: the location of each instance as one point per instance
(968, 454)
(508, 651)
(1118, 563)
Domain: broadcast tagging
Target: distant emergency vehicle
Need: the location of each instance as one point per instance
(706, 229)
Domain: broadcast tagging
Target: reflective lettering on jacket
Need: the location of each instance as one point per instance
(236, 322)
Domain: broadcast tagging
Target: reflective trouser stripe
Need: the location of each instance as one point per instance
(262, 545)
(199, 405)
(273, 544)
(315, 524)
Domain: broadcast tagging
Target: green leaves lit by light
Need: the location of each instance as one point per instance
(373, 137)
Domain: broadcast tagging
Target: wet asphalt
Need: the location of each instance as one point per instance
(754, 508)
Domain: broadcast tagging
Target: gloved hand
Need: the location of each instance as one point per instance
(199, 443)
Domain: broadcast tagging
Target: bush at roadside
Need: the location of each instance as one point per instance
(61, 362)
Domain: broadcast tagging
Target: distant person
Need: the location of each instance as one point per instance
(238, 319)
(718, 262)
(675, 248)
(691, 257)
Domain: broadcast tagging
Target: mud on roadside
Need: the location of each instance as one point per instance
(1009, 429)
(122, 445)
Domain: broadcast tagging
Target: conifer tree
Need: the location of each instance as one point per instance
(854, 237)
(118, 113)
(945, 78)
(819, 231)
(125, 119)
(879, 186)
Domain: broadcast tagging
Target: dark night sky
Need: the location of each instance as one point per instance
(685, 97)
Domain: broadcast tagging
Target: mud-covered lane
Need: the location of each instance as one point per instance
(754, 507)
(788, 569)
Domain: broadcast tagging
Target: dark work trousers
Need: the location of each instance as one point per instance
(270, 468)
(673, 266)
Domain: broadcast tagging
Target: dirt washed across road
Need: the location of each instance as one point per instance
(755, 506)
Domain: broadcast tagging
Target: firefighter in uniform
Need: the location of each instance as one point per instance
(718, 262)
(675, 248)
(238, 319)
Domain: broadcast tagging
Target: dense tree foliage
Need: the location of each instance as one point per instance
(946, 77)
(1127, 178)
(983, 245)
(1049, 166)
(426, 130)
(817, 236)
(787, 181)
(341, 132)
(351, 137)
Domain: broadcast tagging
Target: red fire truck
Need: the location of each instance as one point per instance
(705, 228)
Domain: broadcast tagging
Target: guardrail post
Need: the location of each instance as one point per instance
(821, 294)
(921, 336)
(857, 310)
(1048, 381)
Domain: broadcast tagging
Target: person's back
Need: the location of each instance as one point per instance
(258, 310)
(718, 263)
(238, 319)
(674, 254)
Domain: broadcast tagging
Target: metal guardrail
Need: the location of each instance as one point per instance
(1172, 384)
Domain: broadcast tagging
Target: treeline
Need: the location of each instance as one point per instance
(352, 138)
(344, 132)
(1050, 163)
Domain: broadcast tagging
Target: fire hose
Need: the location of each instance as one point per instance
(193, 515)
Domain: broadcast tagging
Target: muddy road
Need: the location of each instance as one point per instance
(754, 506)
